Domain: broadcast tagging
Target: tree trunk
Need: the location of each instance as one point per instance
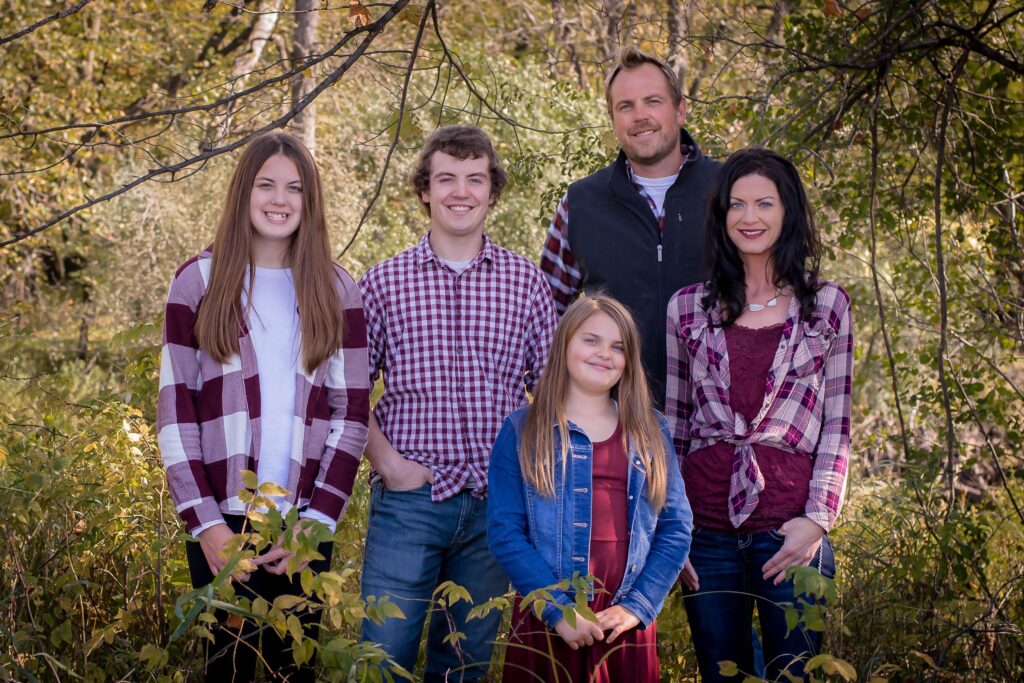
(306, 20)
(262, 31)
(245, 64)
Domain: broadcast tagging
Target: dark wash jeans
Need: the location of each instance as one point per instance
(227, 659)
(728, 567)
(414, 544)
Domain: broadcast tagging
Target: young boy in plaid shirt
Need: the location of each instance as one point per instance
(459, 329)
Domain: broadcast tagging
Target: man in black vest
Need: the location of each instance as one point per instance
(636, 229)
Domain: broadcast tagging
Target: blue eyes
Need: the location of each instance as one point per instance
(592, 341)
(760, 205)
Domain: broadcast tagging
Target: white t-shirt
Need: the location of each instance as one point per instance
(274, 329)
(457, 266)
(656, 188)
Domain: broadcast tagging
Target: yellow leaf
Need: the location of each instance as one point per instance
(295, 627)
(269, 488)
(412, 14)
(249, 479)
(283, 602)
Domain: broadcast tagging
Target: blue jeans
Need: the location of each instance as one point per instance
(412, 546)
(728, 567)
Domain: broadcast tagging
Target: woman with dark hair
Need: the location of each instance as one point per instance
(758, 395)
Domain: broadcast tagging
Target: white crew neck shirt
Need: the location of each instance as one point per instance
(656, 188)
(274, 329)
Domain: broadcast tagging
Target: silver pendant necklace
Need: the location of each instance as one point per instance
(771, 303)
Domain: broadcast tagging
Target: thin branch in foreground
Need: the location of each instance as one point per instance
(371, 31)
(427, 11)
(66, 12)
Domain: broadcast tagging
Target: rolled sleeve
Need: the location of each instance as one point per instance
(678, 403)
(832, 456)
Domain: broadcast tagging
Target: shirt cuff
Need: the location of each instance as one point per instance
(822, 518)
(200, 529)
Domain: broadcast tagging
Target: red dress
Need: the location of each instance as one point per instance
(534, 653)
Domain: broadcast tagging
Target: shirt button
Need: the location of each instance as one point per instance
(632, 570)
(631, 497)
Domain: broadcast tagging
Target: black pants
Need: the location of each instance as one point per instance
(232, 657)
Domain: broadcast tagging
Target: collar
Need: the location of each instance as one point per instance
(423, 253)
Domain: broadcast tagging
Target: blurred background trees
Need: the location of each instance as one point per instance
(118, 128)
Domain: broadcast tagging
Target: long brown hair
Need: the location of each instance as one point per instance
(636, 412)
(321, 318)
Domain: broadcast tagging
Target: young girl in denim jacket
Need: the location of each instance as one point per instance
(583, 482)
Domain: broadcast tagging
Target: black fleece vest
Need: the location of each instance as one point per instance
(619, 250)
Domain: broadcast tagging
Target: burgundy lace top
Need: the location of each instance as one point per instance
(707, 471)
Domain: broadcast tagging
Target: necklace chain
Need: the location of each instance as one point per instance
(771, 303)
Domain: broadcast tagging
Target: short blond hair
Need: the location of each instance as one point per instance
(631, 57)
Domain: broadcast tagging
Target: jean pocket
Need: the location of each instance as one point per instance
(777, 535)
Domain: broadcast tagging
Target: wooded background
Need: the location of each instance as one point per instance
(119, 126)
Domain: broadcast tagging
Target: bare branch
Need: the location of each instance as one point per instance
(371, 30)
(66, 12)
(427, 11)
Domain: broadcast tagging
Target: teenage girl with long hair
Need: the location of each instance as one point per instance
(584, 482)
(264, 368)
(760, 373)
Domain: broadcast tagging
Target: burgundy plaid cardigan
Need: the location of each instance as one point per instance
(208, 413)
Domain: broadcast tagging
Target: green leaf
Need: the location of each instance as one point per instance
(260, 607)
(61, 634)
(816, 661)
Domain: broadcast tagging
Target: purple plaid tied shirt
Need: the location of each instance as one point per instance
(457, 352)
(806, 406)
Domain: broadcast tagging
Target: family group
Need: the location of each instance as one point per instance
(666, 399)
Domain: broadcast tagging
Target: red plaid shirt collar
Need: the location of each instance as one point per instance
(424, 252)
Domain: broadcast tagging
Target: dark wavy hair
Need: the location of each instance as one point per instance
(795, 257)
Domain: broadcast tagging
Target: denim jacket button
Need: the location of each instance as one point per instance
(631, 497)
(632, 570)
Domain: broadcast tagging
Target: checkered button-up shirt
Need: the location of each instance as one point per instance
(457, 352)
(806, 408)
(208, 413)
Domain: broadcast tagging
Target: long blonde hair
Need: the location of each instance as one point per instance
(636, 412)
(321, 318)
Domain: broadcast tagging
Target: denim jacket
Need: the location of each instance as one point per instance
(540, 541)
